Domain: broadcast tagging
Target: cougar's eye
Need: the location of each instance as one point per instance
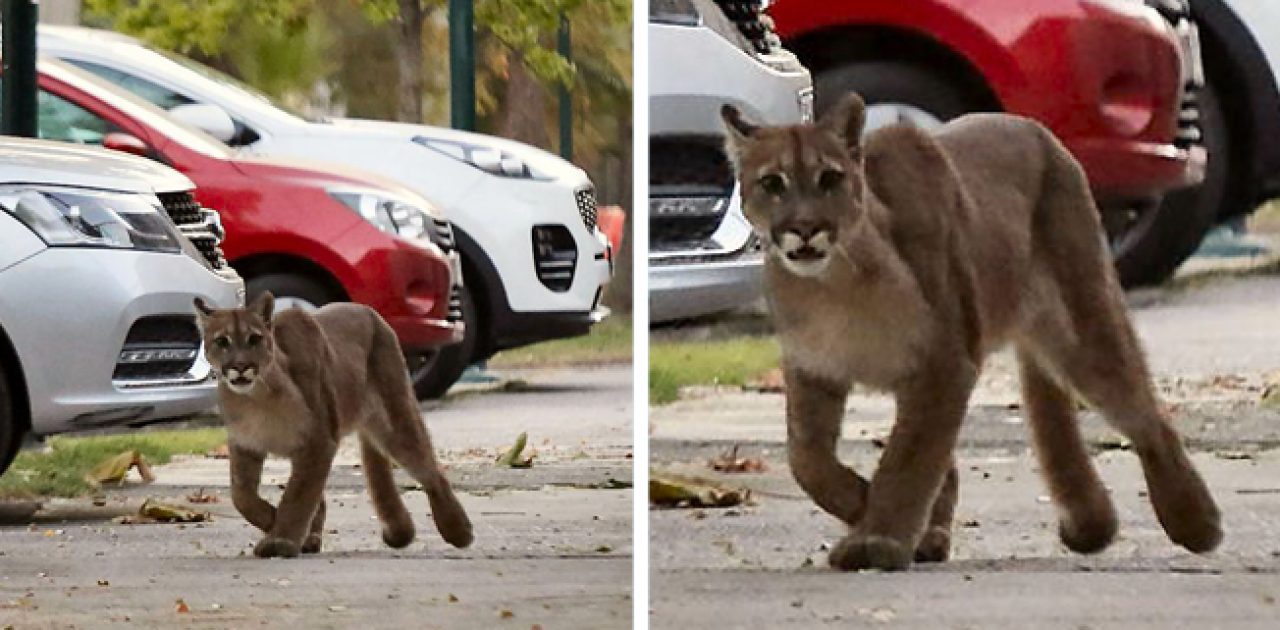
(830, 179)
(773, 184)
(255, 339)
(222, 342)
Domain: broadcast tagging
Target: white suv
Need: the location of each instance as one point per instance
(534, 260)
(96, 287)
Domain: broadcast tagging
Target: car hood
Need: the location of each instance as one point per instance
(328, 176)
(58, 163)
(537, 159)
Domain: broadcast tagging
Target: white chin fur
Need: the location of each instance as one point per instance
(805, 268)
(241, 389)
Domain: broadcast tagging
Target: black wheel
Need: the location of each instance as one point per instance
(433, 373)
(895, 92)
(1150, 243)
(290, 291)
(12, 428)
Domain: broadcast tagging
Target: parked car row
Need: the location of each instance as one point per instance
(225, 195)
(1166, 103)
(525, 221)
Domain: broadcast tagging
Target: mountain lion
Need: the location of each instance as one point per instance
(293, 387)
(900, 262)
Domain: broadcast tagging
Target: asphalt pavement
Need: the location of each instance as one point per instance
(1214, 346)
(553, 542)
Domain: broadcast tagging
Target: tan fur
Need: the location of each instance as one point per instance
(293, 387)
(901, 262)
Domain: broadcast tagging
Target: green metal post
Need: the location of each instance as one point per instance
(565, 47)
(462, 64)
(18, 104)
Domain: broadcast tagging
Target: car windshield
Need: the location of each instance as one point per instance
(250, 95)
(136, 108)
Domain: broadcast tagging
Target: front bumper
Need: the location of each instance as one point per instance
(409, 283)
(686, 290)
(71, 316)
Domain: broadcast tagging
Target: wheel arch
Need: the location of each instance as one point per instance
(267, 263)
(16, 380)
(833, 46)
(486, 288)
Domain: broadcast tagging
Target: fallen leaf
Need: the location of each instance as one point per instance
(1226, 454)
(223, 451)
(671, 492)
(512, 458)
(505, 614)
(729, 462)
(181, 607)
(200, 497)
(165, 513)
(604, 549)
(114, 468)
(104, 583)
(337, 608)
(452, 598)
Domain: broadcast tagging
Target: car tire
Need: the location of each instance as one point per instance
(290, 290)
(893, 82)
(12, 429)
(433, 373)
(1161, 241)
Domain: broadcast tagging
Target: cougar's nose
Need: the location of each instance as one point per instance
(805, 229)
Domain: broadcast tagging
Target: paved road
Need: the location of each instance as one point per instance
(553, 543)
(1214, 346)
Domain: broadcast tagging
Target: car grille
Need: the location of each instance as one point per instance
(690, 184)
(158, 348)
(1178, 14)
(200, 225)
(555, 256)
(443, 236)
(455, 304)
(755, 26)
(586, 199)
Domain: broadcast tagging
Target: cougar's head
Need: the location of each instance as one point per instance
(801, 185)
(237, 341)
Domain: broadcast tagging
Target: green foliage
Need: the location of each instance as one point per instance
(733, 362)
(197, 25)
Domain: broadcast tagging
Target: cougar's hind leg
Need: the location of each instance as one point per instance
(935, 545)
(397, 524)
(404, 437)
(1087, 518)
(1099, 354)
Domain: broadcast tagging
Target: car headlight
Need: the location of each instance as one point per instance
(488, 159)
(387, 213)
(675, 12)
(91, 218)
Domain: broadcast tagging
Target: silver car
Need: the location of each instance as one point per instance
(101, 256)
(703, 255)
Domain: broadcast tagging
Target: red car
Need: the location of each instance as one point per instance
(309, 234)
(1119, 82)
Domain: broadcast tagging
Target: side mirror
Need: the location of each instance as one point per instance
(126, 143)
(210, 119)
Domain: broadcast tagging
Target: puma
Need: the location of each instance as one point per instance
(293, 386)
(902, 260)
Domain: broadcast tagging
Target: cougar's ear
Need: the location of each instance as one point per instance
(202, 308)
(737, 131)
(264, 305)
(846, 120)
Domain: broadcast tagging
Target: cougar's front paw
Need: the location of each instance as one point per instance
(273, 547)
(312, 543)
(934, 546)
(860, 551)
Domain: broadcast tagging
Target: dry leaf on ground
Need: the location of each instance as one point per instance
(671, 492)
(153, 511)
(199, 496)
(771, 382)
(513, 457)
(221, 452)
(729, 462)
(114, 468)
